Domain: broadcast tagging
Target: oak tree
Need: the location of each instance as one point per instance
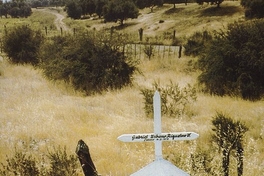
(216, 2)
(254, 8)
(120, 10)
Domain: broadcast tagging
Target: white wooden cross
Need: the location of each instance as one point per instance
(158, 136)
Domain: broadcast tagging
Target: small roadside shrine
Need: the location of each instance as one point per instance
(160, 166)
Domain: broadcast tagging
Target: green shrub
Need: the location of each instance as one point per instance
(19, 164)
(23, 163)
(149, 51)
(23, 10)
(89, 64)
(61, 163)
(197, 159)
(254, 8)
(1, 70)
(202, 162)
(119, 10)
(233, 63)
(197, 43)
(22, 44)
(73, 9)
(212, 2)
(228, 134)
(173, 99)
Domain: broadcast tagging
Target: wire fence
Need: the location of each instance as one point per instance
(139, 51)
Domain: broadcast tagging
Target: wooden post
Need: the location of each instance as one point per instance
(139, 51)
(174, 35)
(87, 164)
(46, 30)
(180, 50)
(124, 47)
(140, 31)
(164, 51)
(5, 29)
(159, 51)
(111, 32)
(135, 50)
(169, 52)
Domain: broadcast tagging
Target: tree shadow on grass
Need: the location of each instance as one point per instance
(124, 26)
(173, 10)
(221, 11)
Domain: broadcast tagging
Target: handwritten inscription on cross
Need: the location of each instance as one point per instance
(157, 137)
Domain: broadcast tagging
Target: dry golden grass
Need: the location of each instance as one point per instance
(39, 20)
(36, 114)
(185, 19)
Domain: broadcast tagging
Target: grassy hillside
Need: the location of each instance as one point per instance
(36, 114)
(185, 19)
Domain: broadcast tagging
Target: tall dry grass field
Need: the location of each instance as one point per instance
(36, 114)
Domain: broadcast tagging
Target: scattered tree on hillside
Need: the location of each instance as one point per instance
(14, 12)
(233, 62)
(15, 9)
(120, 10)
(21, 11)
(74, 10)
(46, 3)
(254, 8)
(99, 4)
(25, 11)
(148, 3)
(22, 45)
(174, 2)
(3, 9)
(229, 136)
(36, 3)
(217, 2)
(88, 6)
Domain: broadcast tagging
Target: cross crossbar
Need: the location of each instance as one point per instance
(157, 137)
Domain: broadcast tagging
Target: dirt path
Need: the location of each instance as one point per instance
(59, 19)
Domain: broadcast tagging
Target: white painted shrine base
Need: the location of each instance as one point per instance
(160, 167)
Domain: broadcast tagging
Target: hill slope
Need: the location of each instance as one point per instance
(185, 19)
(36, 114)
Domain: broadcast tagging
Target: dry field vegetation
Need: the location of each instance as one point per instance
(36, 114)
